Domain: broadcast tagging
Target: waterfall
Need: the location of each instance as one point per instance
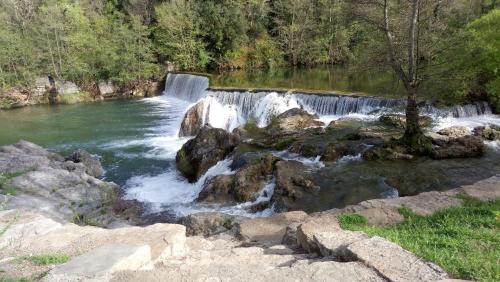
(186, 86)
(230, 109)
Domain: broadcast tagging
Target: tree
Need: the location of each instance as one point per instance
(178, 37)
(409, 31)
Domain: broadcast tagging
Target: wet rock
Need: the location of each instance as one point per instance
(387, 152)
(400, 120)
(393, 262)
(463, 147)
(455, 131)
(291, 122)
(270, 230)
(294, 184)
(490, 133)
(333, 152)
(210, 146)
(251, 178)
(208, 223)
(193, 120)
(306, 149)
(437, 139)
(219, 189)
(92, 164)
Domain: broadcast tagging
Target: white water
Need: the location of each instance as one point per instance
(170, 191)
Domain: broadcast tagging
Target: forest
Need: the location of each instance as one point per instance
(131, 40)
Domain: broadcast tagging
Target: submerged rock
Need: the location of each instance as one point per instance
(291, 122)
(463, 147)
(293, 185)
(210, 146)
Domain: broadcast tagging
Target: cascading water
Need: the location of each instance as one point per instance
(185, 86)
(170, 192)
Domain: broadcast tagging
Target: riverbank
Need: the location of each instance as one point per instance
(46, 90)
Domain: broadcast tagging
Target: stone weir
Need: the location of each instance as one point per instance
(247, 101)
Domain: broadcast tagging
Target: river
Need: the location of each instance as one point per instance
(137, 142)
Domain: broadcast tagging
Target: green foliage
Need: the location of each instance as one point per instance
(8, 279)
(464, 240)
(46, 259)
(177, 35)
(5, 186)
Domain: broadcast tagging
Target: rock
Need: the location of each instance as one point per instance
(333, 152)
(93, 166)
(455, 131)
(101, 263)
(334, 244)
(387, 152)
(219, 189)
(244, 186)
(488, 133)
(437, 139)
(400, 120)
(326, 223)
(393, 262)
(291, 122)
(208, 223)
(270, 230)
(106, 88)
(382, 216)
(462, 147)
(210, 146)
(293, 185)
(193, 120)
(252, 178)
(64, 190)
(67, 87)
(306, 149)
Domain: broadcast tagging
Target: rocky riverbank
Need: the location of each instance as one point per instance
(291, 245)
(46, 90)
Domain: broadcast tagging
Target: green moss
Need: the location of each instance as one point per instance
(5, 187)
(183, 164)
(75, 98)
(45, 259)
(464, 240)
(282, 144)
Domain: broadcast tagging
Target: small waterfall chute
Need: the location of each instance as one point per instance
(187, 87)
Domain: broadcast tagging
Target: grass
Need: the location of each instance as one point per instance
(45, 259)
(8, 279)
(5, 187)
(75, 98)
(464, 240)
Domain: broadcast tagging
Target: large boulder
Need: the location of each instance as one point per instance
(400, 120)
(35, 179)
(208, 223)
(193, 120)
(455, 131)
(210, 146)
(92, 164)
(244, 186)
(291, 122)
(294, 185)
(463, 147)
(490, 133)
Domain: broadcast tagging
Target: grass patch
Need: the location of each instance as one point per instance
(9, 279)
(464, 240)
(5, 187)
(74, 98)
(46, 259)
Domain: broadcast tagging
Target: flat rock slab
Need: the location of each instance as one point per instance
(99, 264)
(334, 244)
(269, 230)
(485, 190)
(324, 224)
(393, 262)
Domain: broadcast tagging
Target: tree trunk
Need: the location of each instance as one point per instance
(412, 125)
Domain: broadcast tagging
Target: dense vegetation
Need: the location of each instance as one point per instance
(131, 40)
(463, 240)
